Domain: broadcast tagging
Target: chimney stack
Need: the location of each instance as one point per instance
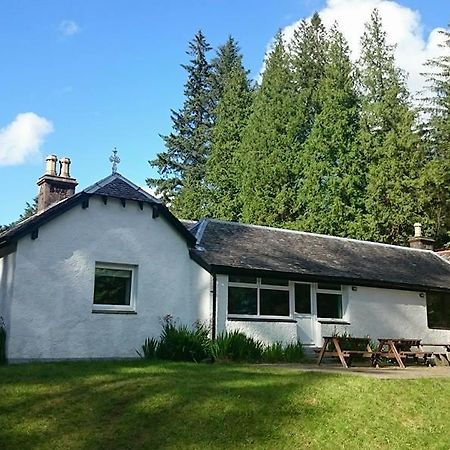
(54, 187)
(419, 241)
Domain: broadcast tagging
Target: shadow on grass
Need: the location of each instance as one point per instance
(135, 405)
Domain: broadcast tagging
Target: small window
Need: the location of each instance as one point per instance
(113, 288)
(242, 300)
(329, 306)
(274, 302)
(302, 298)
(438, 310)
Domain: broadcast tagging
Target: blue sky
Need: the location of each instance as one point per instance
(102, 74)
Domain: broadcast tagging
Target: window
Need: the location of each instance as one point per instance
(329, 301)
(114, 287)
(302, 298)
(250, 296)
(438, 310)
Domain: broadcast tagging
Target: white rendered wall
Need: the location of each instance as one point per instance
(7, 265)
(379, 313)
(51, 308)
(371, 312)
(266, 332)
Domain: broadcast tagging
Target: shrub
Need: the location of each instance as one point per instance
(149, 349)
(181, 343)
(236, 346)
(273, 353)
(2, 342)
(294, 353)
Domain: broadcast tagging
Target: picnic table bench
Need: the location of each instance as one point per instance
(342, 354)
(400, 349)
(397, 349)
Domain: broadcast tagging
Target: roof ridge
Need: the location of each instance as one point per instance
(117, 176)
(326, 236)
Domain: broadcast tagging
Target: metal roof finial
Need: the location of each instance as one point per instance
(115, 160)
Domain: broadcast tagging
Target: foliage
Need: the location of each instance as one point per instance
(328, 193)
(435, 182)
(2, 341)
(294, 353)
(222, 167)
(236, 346)
(391, 147)
(182, 165)
(182, 343)
(149, 349)
(267, 151)
(30, 210)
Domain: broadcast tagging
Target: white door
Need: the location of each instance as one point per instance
(304, 313)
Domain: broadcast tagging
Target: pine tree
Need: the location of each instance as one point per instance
(308, 50)
(267, 152)
(231, 114)
(330, 194)
(182, 165)
(391, 148)
(228, 58)
(30, 210)
(436, 176)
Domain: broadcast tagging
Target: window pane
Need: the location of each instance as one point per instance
(303, 298)
(329, 306)
(275, 281)
(241, 300)
(241, 279)
(330, 286)
(274, 303)
(112, 286)
(438, 310)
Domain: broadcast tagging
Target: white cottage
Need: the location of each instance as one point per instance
(92, 274)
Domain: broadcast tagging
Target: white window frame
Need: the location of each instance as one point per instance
(314, 286)
(330, 291)
(131, 308)
(258, 286)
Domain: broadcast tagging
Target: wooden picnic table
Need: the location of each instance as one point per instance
(399, 349)
(342, 354)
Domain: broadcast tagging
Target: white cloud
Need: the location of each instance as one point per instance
(403, 27)
(69, 28)
(22, 138)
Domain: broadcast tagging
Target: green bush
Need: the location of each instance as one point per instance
(236, 346)
(2, 342)
(181, 343)
(149, 349)
(294, 353)
(273, 353)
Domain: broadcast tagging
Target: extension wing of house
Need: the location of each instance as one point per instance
(92, 274)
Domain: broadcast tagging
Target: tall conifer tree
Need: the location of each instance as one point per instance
(182, 165)
(233, 94)
(330, 193)
(391, 147)
(436, 176)
(308, 57)
(267, 151)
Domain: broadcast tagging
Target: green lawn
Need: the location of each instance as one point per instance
(121, 405)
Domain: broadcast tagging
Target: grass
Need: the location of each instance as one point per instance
(133, 405)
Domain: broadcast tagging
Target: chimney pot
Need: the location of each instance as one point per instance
(50, 165)
(417, 229)
(64, 167)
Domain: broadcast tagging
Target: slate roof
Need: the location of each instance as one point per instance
(228, 247)
(115, 186)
